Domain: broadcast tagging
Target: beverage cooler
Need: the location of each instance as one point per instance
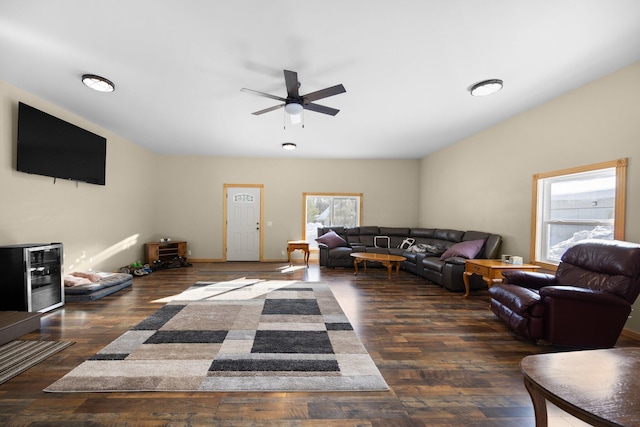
(31, 277)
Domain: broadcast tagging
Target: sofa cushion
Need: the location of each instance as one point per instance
(423, 233)
(353, 235)
(332, 240)
(449, 235)
(394, 231)
(468, 249)
(435, 250)
(367, 234)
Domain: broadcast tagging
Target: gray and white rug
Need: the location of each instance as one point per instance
(243, 335)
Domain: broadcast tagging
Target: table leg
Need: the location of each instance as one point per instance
(306, 257)
(539, 403)
(355, 266)
(465, 279)
(289, 255)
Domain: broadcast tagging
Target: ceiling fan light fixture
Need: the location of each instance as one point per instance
(293, 108)
(98, 83)
(289, 146)
(486, 87)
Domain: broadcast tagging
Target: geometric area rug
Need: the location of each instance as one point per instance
(241, 335)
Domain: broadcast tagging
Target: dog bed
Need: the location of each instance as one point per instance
(93, 286)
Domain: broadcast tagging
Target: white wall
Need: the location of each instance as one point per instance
(101, 227)
(148, 196)
(191, 204)
(491, 172)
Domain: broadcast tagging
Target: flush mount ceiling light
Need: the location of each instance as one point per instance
(486, 87)
(289, 146)
(98, 83)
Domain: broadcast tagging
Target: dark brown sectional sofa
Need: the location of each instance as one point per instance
(445, 272)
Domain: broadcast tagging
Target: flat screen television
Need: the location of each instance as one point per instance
(50, 146)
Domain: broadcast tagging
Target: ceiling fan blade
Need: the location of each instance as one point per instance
(321, 109)
(266, 95)
(324, 93)
(292, 83)
(266, 110)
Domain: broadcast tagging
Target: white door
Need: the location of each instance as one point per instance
(243, 223)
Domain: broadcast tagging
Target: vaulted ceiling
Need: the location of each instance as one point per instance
(178, 67)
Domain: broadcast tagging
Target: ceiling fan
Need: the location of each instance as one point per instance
(294, 103)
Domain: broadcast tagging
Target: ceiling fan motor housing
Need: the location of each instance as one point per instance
(294, 103)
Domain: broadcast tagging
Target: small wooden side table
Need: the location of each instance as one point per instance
(293, 245)
(490, 270)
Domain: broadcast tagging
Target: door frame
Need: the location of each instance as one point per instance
(224, 216)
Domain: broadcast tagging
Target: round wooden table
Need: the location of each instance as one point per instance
(600, 387)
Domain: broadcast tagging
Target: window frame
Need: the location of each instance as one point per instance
(323, 194)
(620, 166)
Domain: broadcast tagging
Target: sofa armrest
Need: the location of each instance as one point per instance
(529, 279)
(456, 260)
(323, 254)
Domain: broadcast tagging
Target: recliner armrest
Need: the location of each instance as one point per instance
(577, 295)
(521, 300)
(529, 279)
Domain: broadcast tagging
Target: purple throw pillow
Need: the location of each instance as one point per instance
(468, 249)
(332, 240)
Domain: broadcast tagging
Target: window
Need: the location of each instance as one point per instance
(576, 204)
(329, 210)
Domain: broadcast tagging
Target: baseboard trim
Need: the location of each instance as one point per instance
(631, 334)
(204, 260)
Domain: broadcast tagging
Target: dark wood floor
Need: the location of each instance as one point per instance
(449, 361)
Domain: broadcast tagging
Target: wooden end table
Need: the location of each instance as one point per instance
(600, 387)
(293, 245)
(490, 270)
(387, 260)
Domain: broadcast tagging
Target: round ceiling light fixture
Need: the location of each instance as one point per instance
(98, 83)
(293, 108)
(486, 87)
(290, 146)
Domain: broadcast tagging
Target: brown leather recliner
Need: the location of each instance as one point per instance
(584, 305)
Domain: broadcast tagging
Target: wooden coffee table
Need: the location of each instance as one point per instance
(599, 387)
(490, 270)
(387, 260)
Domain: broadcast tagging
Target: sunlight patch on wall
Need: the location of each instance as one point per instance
(86, 263)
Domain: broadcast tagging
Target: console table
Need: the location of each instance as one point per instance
(600, 387)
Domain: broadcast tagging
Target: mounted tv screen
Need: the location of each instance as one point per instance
(52, 147)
